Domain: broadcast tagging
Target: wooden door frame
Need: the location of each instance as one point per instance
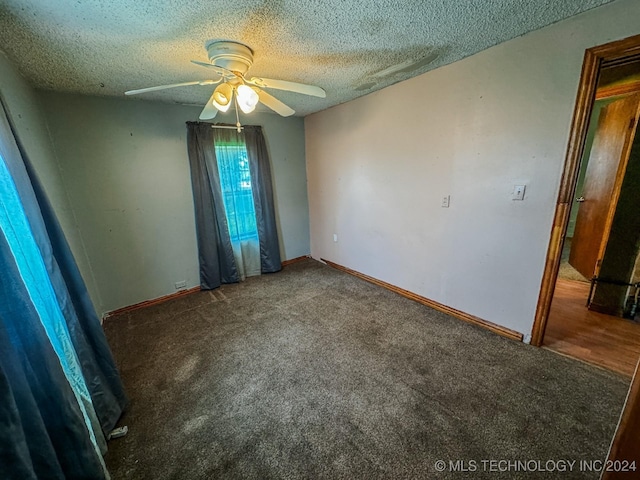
(624, 445)
(594, 59)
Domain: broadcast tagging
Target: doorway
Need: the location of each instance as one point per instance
(586, 304)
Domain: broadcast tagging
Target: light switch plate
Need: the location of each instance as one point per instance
(518, 192)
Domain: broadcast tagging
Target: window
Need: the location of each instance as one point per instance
(235, 183)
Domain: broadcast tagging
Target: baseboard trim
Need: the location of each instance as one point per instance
(155, 301)
(295, 260)
(181, 293)
(500, 330)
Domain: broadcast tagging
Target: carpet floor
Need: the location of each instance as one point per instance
(312, 373)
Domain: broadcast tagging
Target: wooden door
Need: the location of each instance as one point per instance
(605, 172)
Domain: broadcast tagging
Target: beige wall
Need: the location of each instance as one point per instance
(24, 109)
(126, 171)
(379, 166)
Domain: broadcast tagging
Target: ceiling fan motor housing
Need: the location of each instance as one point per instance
(233, 56)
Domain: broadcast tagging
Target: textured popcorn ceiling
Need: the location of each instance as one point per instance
(104, 47)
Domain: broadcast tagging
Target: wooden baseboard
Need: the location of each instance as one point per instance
(294, 260)
(181, 293)
(148, 303)
(500, 330)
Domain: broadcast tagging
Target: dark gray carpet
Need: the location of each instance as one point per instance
(312, 373)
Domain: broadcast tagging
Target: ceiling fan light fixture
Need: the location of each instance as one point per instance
(247, 98)
(230, 61)
(222, 96)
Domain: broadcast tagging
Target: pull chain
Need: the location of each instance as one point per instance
(238, 126)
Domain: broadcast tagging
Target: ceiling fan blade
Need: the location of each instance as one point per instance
(219, 70)
(159, 87)
(209, 111)
(288, 86)
(274, 104)
(173, 85)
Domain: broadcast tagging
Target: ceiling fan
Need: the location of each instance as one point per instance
(230, 62)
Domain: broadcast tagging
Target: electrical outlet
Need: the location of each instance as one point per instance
(335, 237)
(445, 201)
(181, 284)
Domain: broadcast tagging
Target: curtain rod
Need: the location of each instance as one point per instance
(227, 127)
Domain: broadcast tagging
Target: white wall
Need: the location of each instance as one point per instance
(378, 166)
(126, 169)
(24, 109)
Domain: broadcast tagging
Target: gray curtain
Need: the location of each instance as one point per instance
(215, 253)
(217, 264)
(43, 432)
(262, 186)
(98, 367)
(45, 435)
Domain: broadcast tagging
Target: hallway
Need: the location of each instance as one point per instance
(609, 342)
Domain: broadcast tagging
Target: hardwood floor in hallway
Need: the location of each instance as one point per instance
(604, 340)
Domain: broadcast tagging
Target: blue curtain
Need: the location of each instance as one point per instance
(61, 393)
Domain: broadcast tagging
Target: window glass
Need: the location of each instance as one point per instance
(235, 182)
